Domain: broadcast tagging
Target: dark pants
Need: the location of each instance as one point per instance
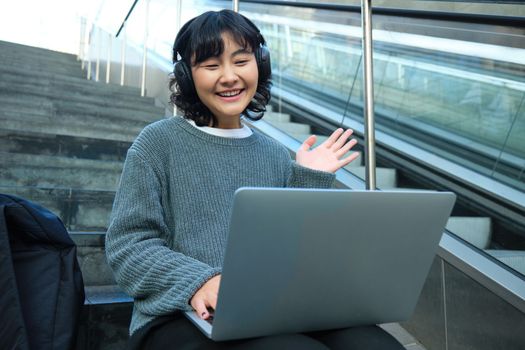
(177, 332)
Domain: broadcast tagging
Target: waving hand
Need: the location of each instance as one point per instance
(329, 155)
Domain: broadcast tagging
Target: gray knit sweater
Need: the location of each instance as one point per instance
(170, 217)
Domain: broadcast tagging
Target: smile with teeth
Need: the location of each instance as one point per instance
(229, 93)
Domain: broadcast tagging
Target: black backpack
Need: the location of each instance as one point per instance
(41, 286)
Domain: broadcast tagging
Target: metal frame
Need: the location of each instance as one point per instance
(368, 95)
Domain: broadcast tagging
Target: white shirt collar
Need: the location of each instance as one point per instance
(241, 133)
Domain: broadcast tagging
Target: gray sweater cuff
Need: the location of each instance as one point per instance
(303, 177)
(199, 282)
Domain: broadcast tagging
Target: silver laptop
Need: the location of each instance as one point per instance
(301, 260)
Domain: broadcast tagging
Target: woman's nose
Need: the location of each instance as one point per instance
(228, 75)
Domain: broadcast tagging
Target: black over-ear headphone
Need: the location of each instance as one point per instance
(184, 78)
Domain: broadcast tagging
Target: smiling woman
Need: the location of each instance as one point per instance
(169, 225)
(214, 57)
(226, 84)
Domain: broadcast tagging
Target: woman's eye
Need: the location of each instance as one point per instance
(241, 62)
(211, 66)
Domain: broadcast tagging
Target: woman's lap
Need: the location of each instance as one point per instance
(179, 333)
(366, 337)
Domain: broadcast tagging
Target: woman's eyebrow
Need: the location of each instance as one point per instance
(241, 51)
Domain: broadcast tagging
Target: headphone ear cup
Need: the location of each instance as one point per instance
(262, 56)
(184, 79)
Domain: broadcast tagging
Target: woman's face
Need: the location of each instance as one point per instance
(226, 84)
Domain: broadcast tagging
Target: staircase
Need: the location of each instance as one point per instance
(63, 140)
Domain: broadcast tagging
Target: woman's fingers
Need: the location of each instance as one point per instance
(333, 138)
(347, 147)
(342, 139)
(200, 307)
(345, 161)
(206, 297)
(308, 143)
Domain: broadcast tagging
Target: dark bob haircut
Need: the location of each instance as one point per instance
(200, 39)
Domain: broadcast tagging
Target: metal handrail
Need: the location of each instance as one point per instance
(500, 20)
(125, 19)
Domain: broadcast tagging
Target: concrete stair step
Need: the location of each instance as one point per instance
(55, 92)
(39, 55)
(23, 77)
(78, 128)
(105, 319)
(14, 99)
(70, 118)
(36, 106)
(80, 210)
(35, 52)
(106, 294)
(44, 107)
(49, 171)
(16, 57)
(92, 258)
(80, 108)
(17, 141)
(475, 230)
(290, 127)
(18, 63)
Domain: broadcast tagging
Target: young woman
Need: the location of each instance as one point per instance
(168, 228)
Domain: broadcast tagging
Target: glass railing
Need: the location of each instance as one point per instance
(465, 92)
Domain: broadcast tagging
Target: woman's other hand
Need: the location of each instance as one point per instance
(329, 155)
(206, 297)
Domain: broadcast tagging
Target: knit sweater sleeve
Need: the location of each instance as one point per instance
(302, 177)
(160, 279)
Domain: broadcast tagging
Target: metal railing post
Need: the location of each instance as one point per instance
(179, 15)
(144, 56)
(235, 5)
(108, 64)
(88, 53)
(123, 58)
(368, 102)
(82, 41)
(99, 46)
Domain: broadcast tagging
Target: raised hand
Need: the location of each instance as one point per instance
(329, 155)
(206, 297)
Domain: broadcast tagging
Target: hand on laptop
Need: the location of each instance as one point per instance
(206, 297)
(328, 156)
